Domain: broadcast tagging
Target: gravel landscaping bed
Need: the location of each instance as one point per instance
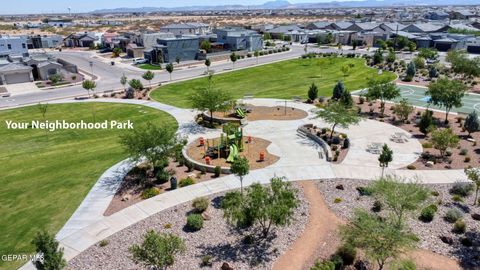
(431, 233)
(217, 239)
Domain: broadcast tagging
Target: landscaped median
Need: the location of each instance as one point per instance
(46, 175)
(283, 80)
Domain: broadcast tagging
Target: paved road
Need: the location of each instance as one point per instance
(109, 76)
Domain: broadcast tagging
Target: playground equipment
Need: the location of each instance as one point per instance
(230, 145)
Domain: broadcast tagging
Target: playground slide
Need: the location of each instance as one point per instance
(233, 153)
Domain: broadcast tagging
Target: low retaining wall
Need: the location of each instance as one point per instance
(326, 148)
(220, 120)
(199, 166)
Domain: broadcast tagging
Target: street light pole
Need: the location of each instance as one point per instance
(91, 67)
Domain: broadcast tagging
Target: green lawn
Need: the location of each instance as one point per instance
(278, 80)
(43, 182)
(149, 67)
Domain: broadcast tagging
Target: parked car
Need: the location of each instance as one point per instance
(137, 61)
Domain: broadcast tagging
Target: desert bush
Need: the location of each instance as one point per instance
(186, 182)
(103, 243)
(150, 192)
(200, 204)
(347, 253)
(194, 222)
(411, 167)
(428, 213)
(463, 152)
(459, 226)
(337, 200)
(453, 215)
(377, 206)
(463, 189)
(217, 171)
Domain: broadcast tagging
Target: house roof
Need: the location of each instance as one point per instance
(427, 27)
(367, 25)
(393, 26)
(15, 67)
(193, 25)
(343, 25)
(321, 25)
(48, 63)
(284, 29)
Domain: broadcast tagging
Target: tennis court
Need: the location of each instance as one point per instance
(416, 96)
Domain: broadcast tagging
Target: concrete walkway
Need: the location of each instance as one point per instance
(299, 160)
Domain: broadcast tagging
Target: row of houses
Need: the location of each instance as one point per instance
(425, 35)
(173, 42)
(19, 45)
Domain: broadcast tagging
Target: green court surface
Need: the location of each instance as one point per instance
(416, 96)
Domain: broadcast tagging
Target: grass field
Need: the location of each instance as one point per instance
(278, 80)
(149, 67)
(43, 182)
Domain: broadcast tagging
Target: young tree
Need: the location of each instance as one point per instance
(379, 238)
(346, 99)
(383, 90)
(419, 62)
(256, 54)
(207, 64)
(148, 76)
(354, 45)
(154, 143)
(412, 46)
(428, 53)
(378, 57)
(386, 156)
(313, 92)
(338, 90)
(136, 84)
(240, 168)
(337, 114)
(233, 58)
(403, 109)
(442, 139)
(411, 70)
(89, 85)
(177, 59)
(266, 206)
(169, 68)
(123, 81)
(432, 72)
(399, 196)
(426, 124)
(210, 98)
(52, 255)
(473, 175)
(446, 93)
(471, 124)
(158, 250)
(391, 57)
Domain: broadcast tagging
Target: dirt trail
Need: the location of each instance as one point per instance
(319, 239)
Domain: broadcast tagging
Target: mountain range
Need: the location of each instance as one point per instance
(282, 4)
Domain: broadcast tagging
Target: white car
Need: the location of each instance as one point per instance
(137, 61)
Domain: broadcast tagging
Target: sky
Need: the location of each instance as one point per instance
(61, 6)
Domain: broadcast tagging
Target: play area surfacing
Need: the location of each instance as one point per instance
(416, 96)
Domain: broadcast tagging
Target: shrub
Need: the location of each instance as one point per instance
(462, 189)
(459, 226)
(337, 200)
(364, 191)
(467, 159)
(457, 198)
(377, 206)
(194, 222)
(411, 167)
(347, 253)
(103, 243)
(186, 182)
(206, 261)
(217, 171)
(325, 265)
(453, 215)
(435, 193)
(167, 226)
(200, 204)
(150, 192)
(162, 176)
(428, 213)
(427, 145)
(463, 152)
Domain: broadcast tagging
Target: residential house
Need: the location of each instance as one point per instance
(235, 39)
(461, 14)
(83, 39)
(169, 50)
(426, 28)
(12, 73)
(134, 51)
(13, 45)
(44, 41)
(436, 15)
(280, 31)
(59, 22)
(190, 28)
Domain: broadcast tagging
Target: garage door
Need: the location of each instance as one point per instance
(17, 78)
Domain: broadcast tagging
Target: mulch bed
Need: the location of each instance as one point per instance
(456, 161)
(216, 239)
(430, 233)
(251, 152)
(130, 191)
